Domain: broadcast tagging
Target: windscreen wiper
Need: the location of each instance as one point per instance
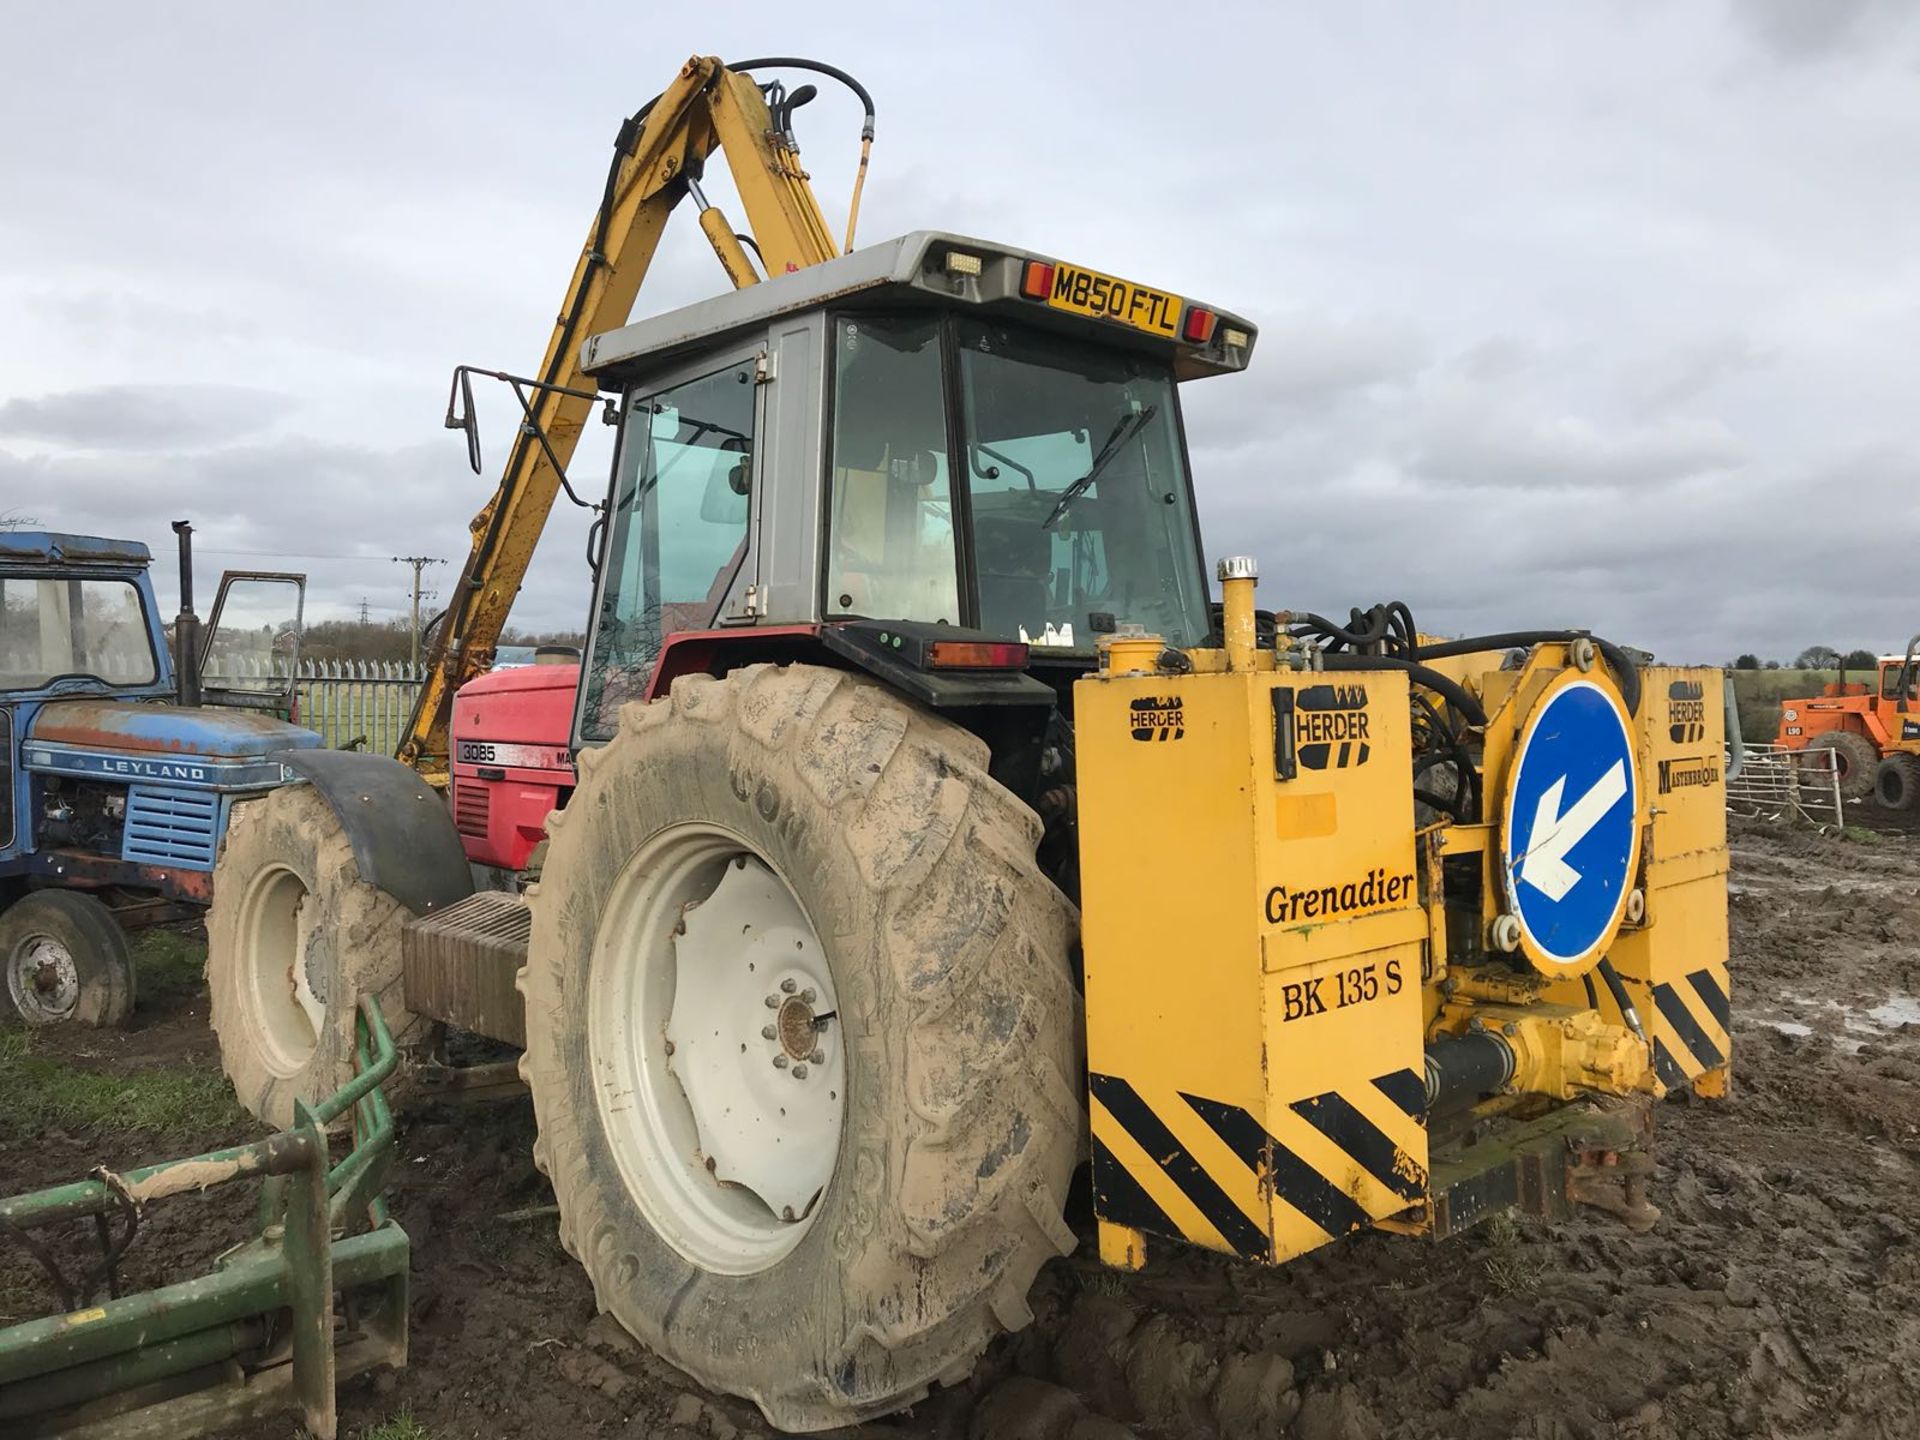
(1124, 429)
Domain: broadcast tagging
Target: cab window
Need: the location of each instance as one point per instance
(891, 548)
(679, 532)
(56, 628)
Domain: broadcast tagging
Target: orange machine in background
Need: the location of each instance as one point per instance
(1872, 730)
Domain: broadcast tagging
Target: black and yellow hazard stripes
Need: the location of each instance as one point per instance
(1689, 1026)
(1196, 1169)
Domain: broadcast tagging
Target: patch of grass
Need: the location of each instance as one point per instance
(43, 1092)
(167, 964)
(1511, 1270)
(1860, 835)
(400, 1427)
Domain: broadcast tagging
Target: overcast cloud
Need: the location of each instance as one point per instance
(1599, 313)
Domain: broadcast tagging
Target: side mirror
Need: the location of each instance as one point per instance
(460, 414)
(250, 656)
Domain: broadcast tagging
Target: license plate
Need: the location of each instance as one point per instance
(1088, 292)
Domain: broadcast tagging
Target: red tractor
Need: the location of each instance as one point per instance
(1871, 730)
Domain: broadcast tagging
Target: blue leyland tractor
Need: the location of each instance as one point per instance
(120, 766)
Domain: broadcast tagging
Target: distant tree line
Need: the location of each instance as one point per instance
(391, 640)
(1814, 657)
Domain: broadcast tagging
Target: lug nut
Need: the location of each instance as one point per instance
(819, 1057)
(767, 1032)
(788, 986)
(800, 1071)
(773, 1002)
(807, 995)
(779, 1062)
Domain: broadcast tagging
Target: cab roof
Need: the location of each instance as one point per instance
(919, 268)
(55, 546)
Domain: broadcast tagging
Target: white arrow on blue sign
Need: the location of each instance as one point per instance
(1572, 805)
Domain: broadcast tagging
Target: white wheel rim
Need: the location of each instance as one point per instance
(42, 980)
(715, 1046)
(284, 1011)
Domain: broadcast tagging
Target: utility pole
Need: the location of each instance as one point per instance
(419, 563)
(363, 609)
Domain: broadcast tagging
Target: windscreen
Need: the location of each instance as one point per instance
(54, 628)
(1081, 519)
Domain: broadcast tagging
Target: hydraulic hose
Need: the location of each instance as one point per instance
(832, 72)
(1619, 993)
(1624, 670)
(1454, 694)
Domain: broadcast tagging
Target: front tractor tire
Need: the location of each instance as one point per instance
(294, 938)
(66, 961)
(1854, 759)
(803, 1041)
(1896, 784)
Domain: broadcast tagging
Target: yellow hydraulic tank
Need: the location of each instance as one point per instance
(1253, 932)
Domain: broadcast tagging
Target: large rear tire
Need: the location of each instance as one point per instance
(1896, 784)
(65, 960)
(745, 844)
(1854, 759)
(294, 938)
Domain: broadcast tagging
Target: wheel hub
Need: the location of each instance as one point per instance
(795, 1028)
(751, 1040)
(42, 978)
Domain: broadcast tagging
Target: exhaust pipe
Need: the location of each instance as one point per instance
(186, 625)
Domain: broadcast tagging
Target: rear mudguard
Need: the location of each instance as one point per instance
(399, 826)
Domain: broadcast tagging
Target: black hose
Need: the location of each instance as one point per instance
(1619, 993)
(1624, 670)
(818, 67)
(1454, 694)
(1311, 624)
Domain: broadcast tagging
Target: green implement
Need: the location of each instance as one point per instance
(318, 1295)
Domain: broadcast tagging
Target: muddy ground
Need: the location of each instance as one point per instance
(1779, 1295)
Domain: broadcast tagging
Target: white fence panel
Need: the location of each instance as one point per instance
(353, 704)
(358, 704)
(1776, 782)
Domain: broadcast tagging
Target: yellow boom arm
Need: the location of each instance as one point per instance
(660, 155)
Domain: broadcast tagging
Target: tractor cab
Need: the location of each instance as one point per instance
(935, 440)
(119, 771)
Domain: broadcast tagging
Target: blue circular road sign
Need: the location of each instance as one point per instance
(1571, 832)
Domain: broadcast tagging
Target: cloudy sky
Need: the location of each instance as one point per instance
(1599, 313)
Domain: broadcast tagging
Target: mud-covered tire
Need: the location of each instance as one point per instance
(1854, 760)
(950, 956)
(1896, 783)
(287, 892)
(64, 960)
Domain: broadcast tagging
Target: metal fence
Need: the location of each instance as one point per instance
(1775, 782)
(353, 704)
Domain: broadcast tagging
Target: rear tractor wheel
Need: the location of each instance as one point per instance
(1854, 759)
(294, 938)
(66, 960)
(1896, 784)
(802, 1038)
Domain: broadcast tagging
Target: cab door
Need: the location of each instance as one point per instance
(250, 654)
(678, 547)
